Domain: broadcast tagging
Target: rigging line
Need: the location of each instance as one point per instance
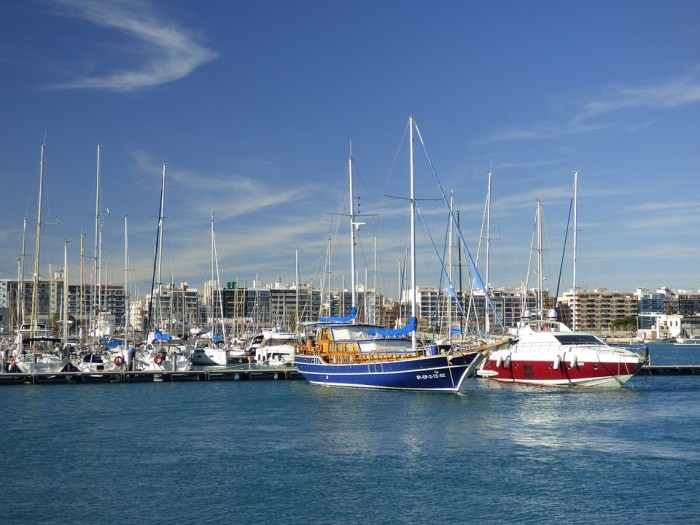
(444, 271)
(475, 272)
(563, 252)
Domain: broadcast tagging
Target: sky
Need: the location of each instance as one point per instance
(255, 107)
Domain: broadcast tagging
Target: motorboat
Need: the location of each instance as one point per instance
(547, 352)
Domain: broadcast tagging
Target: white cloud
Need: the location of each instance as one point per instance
(669, 93)
(167, 52)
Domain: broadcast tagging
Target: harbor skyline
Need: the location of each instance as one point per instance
(254, 107)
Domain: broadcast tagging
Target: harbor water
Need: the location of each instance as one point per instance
(289, 452)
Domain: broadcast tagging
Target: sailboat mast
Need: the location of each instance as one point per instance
(65, 293)
(413, 232)
(353, 293)
(487, 316)
(126, 282)
(450, 293)
(96, 251)
(21, 299)
(156, 258)
(574, 312)
(35, 283)
(540, 276)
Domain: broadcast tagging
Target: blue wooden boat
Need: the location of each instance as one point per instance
(344, 353)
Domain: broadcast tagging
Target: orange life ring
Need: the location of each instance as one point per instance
(158, 359)
(119, 360)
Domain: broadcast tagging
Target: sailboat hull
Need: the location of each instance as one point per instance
(438, 373)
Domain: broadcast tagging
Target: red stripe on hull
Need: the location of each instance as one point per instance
(543, 372)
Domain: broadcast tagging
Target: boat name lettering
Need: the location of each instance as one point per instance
(435, 375)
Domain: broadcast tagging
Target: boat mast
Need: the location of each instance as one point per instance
(573, 323)
(21, 299)
(487, 320)
(35, 281)
(156, 258)
(215, 265)
(353, 228)
(126, 282)
(96, 251)
(374, 283)
(296, 295)
(411, 123)
(65, 293)
(540, 277)
(450, 293)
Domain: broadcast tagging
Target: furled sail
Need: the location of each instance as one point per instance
(347, 319)
(410, 327)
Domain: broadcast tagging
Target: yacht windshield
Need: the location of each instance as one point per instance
(578, 339)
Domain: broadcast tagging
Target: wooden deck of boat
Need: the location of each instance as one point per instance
(134, 376)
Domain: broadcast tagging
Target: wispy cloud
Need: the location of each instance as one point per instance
(167, 52)
(586, 116)
(670, 93)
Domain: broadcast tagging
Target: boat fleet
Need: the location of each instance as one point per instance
(159, 352)
(345, 352)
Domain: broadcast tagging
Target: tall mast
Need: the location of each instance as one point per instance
(487, 320)
(35, 282)
(82, 287)
(353, 228)
(156, 258)
(296, 296)
(65, 293)
(126, 282)
(96, 253)
(540, 277)
(573, 324)
(449, 273)
(411, 123)
(21, 299)
(374, 283)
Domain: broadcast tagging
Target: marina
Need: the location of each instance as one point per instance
(262, 446)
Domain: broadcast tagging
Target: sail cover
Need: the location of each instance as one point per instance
(410, 327)
(348, 318)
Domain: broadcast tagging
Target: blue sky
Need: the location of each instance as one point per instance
(254, 105)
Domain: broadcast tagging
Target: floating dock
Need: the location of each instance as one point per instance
(152, 376)
(669, 370)
(233, 374)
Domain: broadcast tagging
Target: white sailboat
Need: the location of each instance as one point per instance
(161, 351)
(212, 350)
(37, 350)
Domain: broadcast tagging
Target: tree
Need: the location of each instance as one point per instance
(625, 323)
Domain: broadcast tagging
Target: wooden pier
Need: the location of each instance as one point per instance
(142, 376)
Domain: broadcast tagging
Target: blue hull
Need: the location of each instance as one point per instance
(422, 373)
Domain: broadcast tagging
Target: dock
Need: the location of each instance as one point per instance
(153, 376)
(669, 370)
(243, 373)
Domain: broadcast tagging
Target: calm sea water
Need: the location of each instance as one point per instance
(290, 452)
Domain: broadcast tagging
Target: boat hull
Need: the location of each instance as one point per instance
(209, 357)
(594, 369)
(436, 373)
